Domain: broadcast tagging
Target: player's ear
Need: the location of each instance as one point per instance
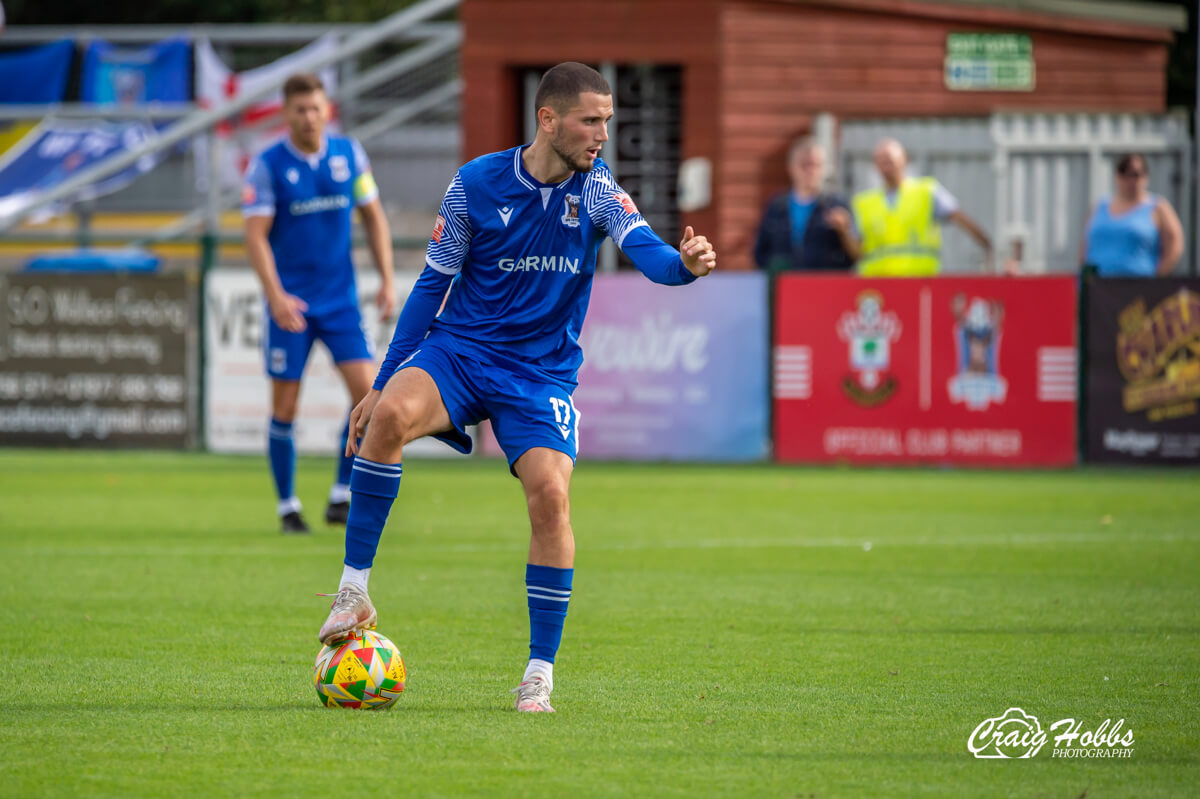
(546, 118)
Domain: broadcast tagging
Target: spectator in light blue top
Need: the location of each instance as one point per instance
(1133, 233)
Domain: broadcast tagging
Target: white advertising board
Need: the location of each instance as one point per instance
(236, 389)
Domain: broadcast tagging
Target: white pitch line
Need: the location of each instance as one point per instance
(964, 541)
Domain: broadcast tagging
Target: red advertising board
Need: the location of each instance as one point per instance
(972, 371)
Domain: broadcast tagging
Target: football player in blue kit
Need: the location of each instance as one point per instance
(297, 200)
(515, 244)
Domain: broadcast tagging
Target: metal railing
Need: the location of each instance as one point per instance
(417, 23)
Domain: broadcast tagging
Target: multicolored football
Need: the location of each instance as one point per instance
(362, 671)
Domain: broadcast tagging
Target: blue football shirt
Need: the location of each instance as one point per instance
(524, 254)
(518, 257)
(311, 198)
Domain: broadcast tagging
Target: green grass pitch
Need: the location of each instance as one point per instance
(732, 632)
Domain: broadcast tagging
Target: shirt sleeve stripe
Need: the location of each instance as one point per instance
(640, 223)
(445, 270)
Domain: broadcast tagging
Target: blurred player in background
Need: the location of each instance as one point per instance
(297, 201)
(517, 234)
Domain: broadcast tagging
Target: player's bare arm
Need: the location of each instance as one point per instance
(379, 239)
(286, 310)
(1171, 234)
(697, 253)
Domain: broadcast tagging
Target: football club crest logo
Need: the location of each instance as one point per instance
(571, 217)
(870, 332)
(129, 84)
(339, 168)
(977, 333)
(292, 176)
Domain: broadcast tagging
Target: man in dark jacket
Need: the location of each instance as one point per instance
(806, 228)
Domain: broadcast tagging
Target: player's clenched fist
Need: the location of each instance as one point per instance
(697, 252)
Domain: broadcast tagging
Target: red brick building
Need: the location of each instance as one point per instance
(754, 74)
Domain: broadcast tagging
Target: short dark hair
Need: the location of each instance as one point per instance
(301, 83)
(1126, 161)
(562, 85)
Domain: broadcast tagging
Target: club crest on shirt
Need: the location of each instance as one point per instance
(438, 228)
(292, 175)
(626, 202)
(571, 217)
(339, 168)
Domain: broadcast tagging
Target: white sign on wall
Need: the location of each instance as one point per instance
(236, 388)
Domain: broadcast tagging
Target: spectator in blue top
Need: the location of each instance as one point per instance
(1133, 233)
(805, 228)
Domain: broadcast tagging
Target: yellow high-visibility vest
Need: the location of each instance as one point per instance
(900, 240)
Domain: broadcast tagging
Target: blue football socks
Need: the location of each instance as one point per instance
(281, 453)
(341, 484)
(374, 487)
(549, 590)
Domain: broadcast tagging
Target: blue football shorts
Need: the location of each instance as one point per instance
(526, 410)
(341, 330)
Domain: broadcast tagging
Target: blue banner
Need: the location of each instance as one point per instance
(160, 73)
(57, 149)
(37, 75)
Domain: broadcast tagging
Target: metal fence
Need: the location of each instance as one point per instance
(392, 79)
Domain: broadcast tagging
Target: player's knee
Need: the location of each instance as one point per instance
(393, 421)
(284, 408)
(549, 503)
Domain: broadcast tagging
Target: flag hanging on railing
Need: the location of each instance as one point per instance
(160, 73)
(58, 149)
(259, 125)
(37, 74)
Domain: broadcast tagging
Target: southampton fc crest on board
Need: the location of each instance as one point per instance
(870, 332)
(571, 217)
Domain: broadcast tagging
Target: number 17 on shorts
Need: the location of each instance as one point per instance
(566, 418)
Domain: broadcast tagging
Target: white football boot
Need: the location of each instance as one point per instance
(351, 610)
(533, 695)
